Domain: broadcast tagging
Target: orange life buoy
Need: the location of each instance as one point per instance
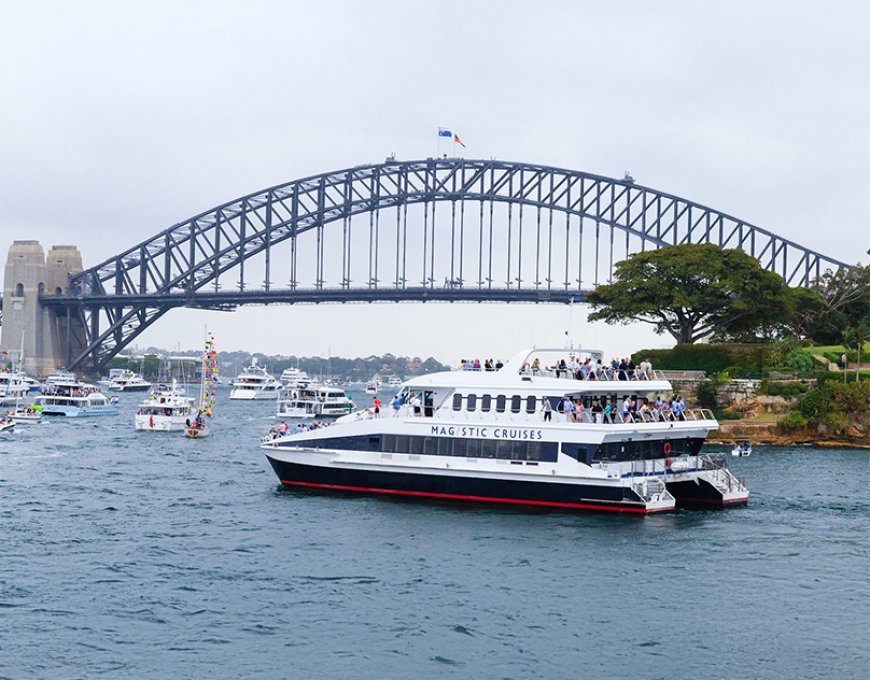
(666, 448)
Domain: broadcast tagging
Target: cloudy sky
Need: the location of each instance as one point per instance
(118, 119)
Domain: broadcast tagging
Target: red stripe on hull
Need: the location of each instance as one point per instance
(486, 499)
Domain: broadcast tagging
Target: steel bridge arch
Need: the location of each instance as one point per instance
(182, 265)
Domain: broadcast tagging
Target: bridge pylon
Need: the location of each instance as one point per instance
(43, 333)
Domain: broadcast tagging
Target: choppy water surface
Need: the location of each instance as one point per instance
(132, 555)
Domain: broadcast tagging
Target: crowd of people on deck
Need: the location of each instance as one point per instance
(284, 428)
(603, 411)
(587, 369)
(573, 367)
(475, 365)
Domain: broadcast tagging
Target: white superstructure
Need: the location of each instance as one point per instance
(255, 383)
(521, 435)
(166, 411)
(127, 381)
(72, 398)
(13, 386)
(314, 401)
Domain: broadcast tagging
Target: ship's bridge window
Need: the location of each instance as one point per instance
(500, 403)
(530, 404)
(457, 402)
(471, 402)
(486, 403)
(516, 402)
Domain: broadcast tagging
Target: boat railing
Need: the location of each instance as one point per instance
(603, 374)
(717, 464)
(585, 417)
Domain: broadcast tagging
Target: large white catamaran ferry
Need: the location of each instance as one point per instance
(504, 436)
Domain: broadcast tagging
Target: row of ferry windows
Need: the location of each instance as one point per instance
(501, 403)
(469, 448)
(517, 403)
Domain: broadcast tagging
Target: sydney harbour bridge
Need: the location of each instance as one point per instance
(445, 229)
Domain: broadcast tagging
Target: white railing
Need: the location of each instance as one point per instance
(584, 417)
(596, 374)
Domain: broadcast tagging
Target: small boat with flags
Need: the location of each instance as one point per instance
(198, 427)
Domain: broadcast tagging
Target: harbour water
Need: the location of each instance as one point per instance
(133, 555)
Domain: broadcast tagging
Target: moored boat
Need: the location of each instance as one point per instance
(7, 425)
(518, 437)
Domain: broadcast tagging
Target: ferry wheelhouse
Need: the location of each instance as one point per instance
(314, 401)
(73, 399)
(166, 411)
(291, 377)
(505, 437)
(255, 383)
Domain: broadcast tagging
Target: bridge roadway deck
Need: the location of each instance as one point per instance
(231, 299)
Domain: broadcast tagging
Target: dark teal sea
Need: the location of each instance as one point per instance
(136, 555)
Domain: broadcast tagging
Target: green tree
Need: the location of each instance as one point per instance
(693, 292)
(855, 337)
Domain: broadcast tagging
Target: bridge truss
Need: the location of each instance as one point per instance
(436, 229)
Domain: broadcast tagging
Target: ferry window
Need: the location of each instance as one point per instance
(429, 445)
(389, 443)
(516, 402)
(471, 402)
(518, 450)
(402, 443)
(416, 445)
(500, 403)
(534, 452)
(443, 446)
(485, 403)
(530, 404)
(487, 448)
(457, 402)
(472, 449)
(458, 446)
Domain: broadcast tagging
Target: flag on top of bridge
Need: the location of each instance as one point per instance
(444, 132)
(458, 141)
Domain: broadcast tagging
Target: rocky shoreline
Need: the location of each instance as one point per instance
(767, 432)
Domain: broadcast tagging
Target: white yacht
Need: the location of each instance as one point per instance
(127, 381)
(166, 411)
(61, 376)
(314, 401)
(13, 386)
(255, 383)
(518, 437)
(292, 377)
(372, 386)
(74, 399)
(394, 382)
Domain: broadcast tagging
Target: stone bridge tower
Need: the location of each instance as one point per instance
(26, 323)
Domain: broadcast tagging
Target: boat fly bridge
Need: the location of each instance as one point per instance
(522, 435)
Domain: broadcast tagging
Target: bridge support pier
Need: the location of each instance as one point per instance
(42, 332)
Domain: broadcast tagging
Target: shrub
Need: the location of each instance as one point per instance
(793, 421)
(789, 388)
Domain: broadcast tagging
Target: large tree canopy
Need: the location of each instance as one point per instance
(694, 291)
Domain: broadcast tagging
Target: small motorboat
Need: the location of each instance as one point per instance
(742, 447)
(24, 414)
(7, 425)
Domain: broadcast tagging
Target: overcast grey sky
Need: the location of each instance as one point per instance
(118, 119)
